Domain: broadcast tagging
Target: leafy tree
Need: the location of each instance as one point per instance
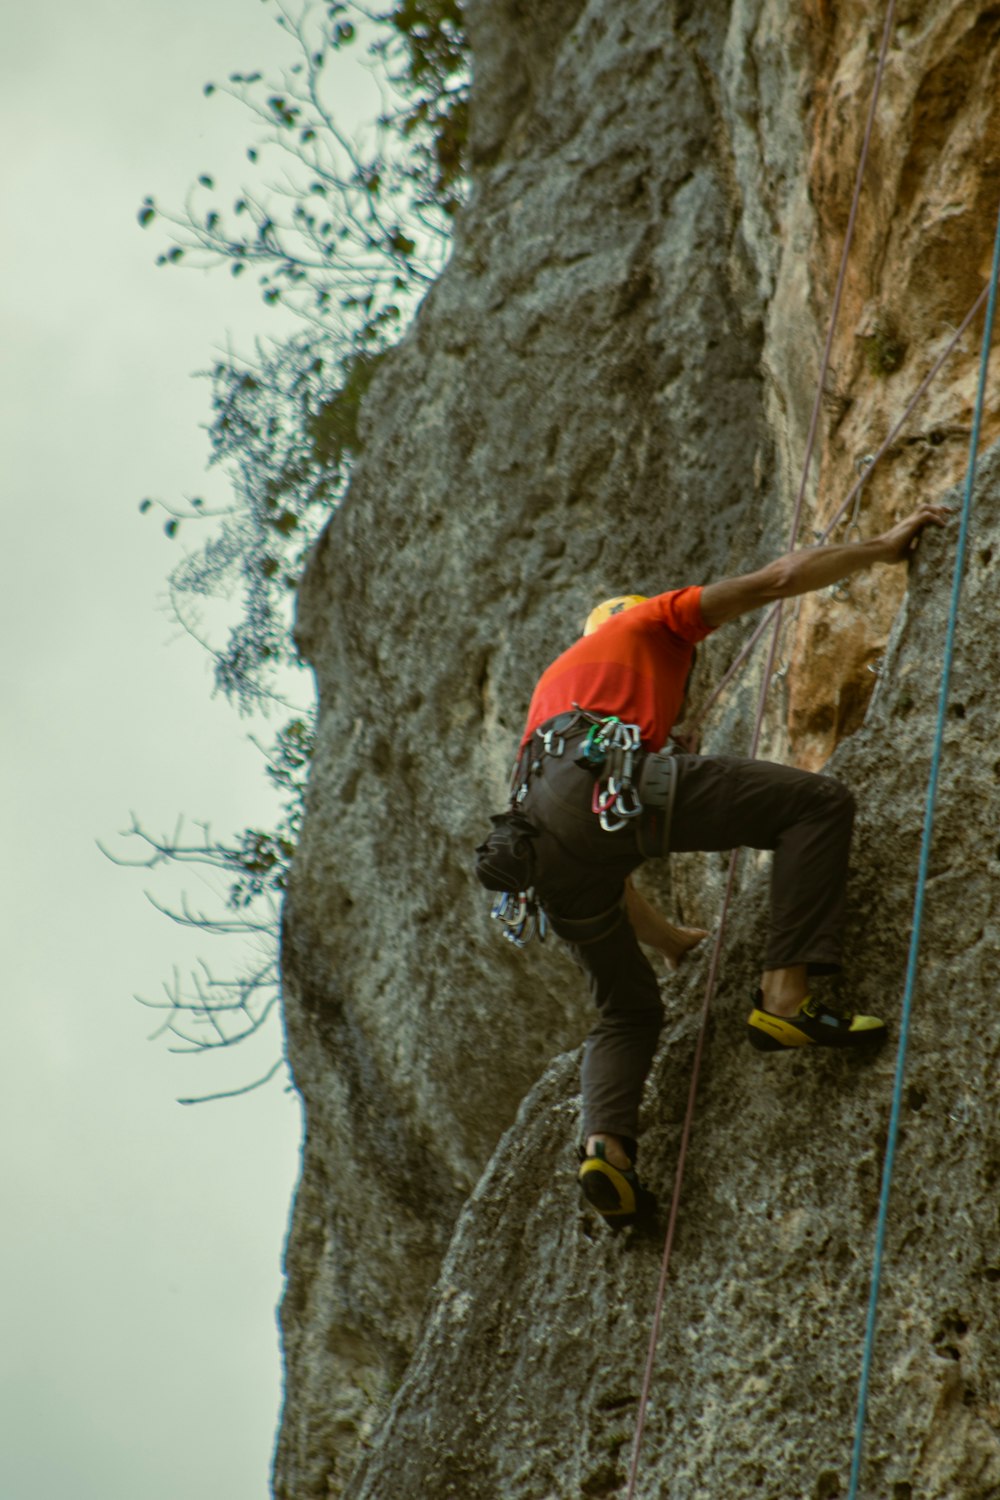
(349, 239)
(348, 236)
(433, 81)
(344, 233)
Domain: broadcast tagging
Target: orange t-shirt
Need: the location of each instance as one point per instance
(635, 665)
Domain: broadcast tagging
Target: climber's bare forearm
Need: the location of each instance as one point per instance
(815, 568)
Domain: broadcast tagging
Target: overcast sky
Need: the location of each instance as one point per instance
(140, 1256)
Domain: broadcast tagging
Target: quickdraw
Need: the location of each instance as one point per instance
(612, 746)
(863, 466)
(520, 917)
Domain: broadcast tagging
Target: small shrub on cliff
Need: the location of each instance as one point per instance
(885, 348)
(285, 431)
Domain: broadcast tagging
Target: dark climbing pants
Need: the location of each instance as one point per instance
(721, 802)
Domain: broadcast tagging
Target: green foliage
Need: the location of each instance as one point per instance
(885, 349)
(332, 430)
(350, 241)
(350, 230)
(285, 429)
(262, 858)
(433, 79)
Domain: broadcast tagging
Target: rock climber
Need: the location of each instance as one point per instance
(611, 700)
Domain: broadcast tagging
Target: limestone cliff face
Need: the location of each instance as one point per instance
(608, 390)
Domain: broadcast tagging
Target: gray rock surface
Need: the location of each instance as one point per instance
(607, 390)
(526, 1379)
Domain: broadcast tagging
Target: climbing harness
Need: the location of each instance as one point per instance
(631, 785)
(610, 751)
(922, 874)
(505, 861)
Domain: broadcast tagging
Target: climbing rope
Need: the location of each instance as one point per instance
(727, 897)
(918, 904)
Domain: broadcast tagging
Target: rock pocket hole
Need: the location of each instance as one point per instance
(604, 1482)
(953, 1329)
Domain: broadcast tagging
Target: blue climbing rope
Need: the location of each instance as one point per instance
(918, 904)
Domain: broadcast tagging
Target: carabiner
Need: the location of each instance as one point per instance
(547, 739)
(623, 808)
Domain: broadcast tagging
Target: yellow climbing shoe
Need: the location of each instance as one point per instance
(813, 1025)
(618, 1195)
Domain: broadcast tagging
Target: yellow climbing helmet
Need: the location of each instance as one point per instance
(616, 606)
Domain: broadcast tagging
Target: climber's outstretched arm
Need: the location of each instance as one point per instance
(815, 568)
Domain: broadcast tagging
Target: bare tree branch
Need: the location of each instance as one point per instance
(235, 1093)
